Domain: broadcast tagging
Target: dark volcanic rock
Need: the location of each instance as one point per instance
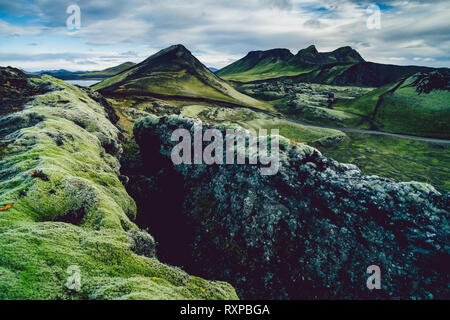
(310, 231)
(16, 88)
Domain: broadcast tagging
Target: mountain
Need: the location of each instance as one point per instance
(56, 73)
(174, 72)
(416, 105)
(212, 69)
(344, 55)
(258, 65)
(86, 75)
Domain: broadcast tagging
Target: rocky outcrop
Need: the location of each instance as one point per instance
(310, 231)
(63, 209)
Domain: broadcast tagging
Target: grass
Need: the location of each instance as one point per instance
(293, 131)
(407, 112)
(404, 111)
(397, 158)
(265, 70)
(249, 119)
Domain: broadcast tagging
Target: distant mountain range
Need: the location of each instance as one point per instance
(343, 66)
(86, 75)
(174, 72)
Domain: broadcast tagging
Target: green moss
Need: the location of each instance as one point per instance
(73, 210)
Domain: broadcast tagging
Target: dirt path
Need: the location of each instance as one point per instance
(374, 132)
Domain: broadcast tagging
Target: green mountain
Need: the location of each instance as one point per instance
(344, 54)
(174, 73)
(91, 75)
(362, 74)
(416, 105)
(259, 65)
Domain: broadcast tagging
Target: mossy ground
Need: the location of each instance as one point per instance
(69, 208)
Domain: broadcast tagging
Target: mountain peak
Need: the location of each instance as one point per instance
(344, 55)
(311, 50)
(177, 49)
(174, 71)
(347, 54)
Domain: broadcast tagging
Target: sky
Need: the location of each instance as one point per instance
(36, 35)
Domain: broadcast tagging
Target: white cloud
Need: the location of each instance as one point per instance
(219, 32)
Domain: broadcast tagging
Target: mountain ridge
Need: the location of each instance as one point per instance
(64, 74)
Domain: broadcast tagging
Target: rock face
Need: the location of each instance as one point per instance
(310, 231)
(63, 207)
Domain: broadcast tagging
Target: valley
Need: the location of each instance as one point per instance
(364, 175)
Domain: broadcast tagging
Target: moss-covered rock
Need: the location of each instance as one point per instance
(63, 205)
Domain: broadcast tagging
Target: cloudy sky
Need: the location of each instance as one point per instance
(34, 34)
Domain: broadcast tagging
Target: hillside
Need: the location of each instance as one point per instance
(174, 72)
(63, 204)
(89, 75)
(406, 107)
(258, 65)
(362, 74)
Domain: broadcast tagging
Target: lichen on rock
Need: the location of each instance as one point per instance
(308, 232)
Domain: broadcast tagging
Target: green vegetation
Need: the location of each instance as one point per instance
(68, 208)
(398, 108)
(249, 119)
(397, 158)
(266, 69)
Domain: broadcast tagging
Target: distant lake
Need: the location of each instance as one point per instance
(83, 83)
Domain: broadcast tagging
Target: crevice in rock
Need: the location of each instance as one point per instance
(159, 194)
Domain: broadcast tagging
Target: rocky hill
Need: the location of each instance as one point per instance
(174, 73)
(308, 232)
(63, 206)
